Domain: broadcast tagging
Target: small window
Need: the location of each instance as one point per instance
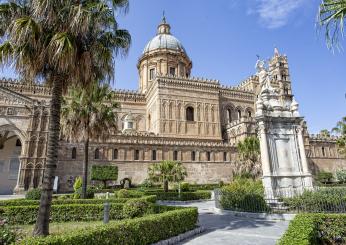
(208, 156)
(229, 115)
(130, 125)
(193, 156)
(153, 155)
(74, 153)
(175, 155)
(225, 156)
(249, 114)
(115, 154)
(136, 156)
(189, 114)
(18, 143)
(323, 152)
(239, 114)
(172, 71)
(151, 74)
(97, 154)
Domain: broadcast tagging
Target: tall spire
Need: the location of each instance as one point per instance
(276, 52)
(163, 27)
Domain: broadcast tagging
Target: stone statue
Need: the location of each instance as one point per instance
(263, 73)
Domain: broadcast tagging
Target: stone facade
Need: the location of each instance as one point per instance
(172, 116)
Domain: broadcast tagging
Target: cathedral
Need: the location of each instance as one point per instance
(172, 116)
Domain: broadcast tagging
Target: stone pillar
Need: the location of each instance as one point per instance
(265, 159)
(305, 167)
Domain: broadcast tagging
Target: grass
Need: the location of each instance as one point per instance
(58, 228)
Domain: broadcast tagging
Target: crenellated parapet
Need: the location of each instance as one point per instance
(25, 87)
(323, 138)
(129, 95)
(237, 93)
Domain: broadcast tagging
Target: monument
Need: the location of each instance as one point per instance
(280, 130)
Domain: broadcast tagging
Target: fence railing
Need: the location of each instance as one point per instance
(316, 200)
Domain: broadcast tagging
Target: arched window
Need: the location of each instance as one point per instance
(189, 114)
(193, 156)
(249, 114)
(239, 114)
(18, 143)
(74, 153)
(153, 155)
(97, 153)
(208, 156)
(136, 156)
(323, 152)
(225, 156)
(229, 115)
(175, 155)
(115, 154)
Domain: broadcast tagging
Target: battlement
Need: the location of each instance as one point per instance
(129, 95)
(319, 137)
(245, 83)
(194, 81)
(25, 87)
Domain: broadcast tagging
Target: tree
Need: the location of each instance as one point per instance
(61, 43)
(249, 153)
(88, 114)
(340, 130)
(331, 16)
(104, 173)
(167, 171)
(325, 133)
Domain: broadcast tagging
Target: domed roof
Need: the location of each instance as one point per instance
(164, 39)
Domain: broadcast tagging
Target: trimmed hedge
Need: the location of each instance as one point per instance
(311, 229)
(139, 231)
(24, 202)
(184, 196)
(245, 195)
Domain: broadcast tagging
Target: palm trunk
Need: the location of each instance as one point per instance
(85, 168)
(165, 185)
(42, 222)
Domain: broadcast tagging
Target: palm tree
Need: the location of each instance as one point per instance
(331, 16)
(167, 171)
(249, 153)
(340, 130)
(88, 113)
(62, 43)
(325, 133)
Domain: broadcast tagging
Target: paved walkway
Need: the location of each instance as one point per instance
(8, 197)
(228, 229)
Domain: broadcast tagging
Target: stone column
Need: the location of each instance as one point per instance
(264, 149)
(305, 167)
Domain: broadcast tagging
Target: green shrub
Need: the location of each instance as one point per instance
(24, 202)
(147, 183)
(104, 173)
(184, 186)
(324, 177)
(135, 208)
(7, 236)
(77, 185)
(313, 229)
(124, 193)
(144, 230)
(322, 200)
(244, 195)
(90, 193)
(301, 230)
(204, 186)
(33, 194)
(341, 176)
(184, 196)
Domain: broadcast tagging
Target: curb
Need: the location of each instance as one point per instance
(181, 237)
(266, 216)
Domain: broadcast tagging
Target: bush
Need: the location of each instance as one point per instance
(184, 186)
(244, 195)
(23, 202)
(90, 193)
(144, 230)
(147, 183)
(184, 196)
(124, 193)
(341, 176)
(34, 194)
(104, 173)
(77, 185)
(135, 208)
(322, 200)
(7, 236)
(312, 229)
(324, 177)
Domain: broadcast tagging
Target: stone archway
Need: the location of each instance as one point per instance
(11, 151)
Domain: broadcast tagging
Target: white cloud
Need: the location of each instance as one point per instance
(275, 13)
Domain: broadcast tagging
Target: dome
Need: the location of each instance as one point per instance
(164, 41)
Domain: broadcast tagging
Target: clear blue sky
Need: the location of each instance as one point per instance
(222, 38)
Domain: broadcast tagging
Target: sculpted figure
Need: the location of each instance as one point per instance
(262, 73)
